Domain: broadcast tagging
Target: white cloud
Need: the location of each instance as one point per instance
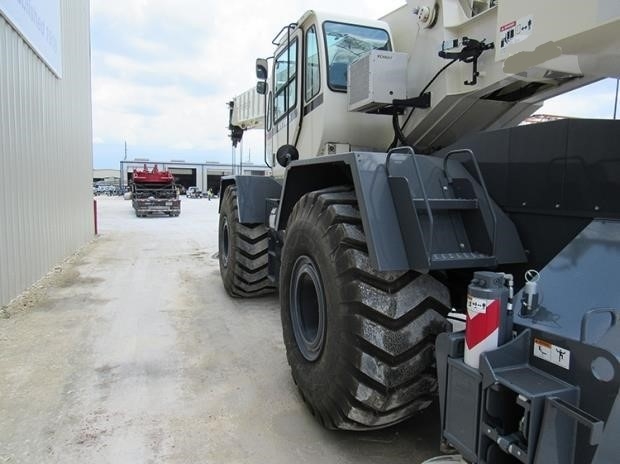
(164, 116)
(594, 101)
(163, 70)
(140, 91)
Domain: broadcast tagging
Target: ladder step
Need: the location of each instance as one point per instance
(446, 204)
(461, 260)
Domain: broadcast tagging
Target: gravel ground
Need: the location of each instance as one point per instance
(131, 352)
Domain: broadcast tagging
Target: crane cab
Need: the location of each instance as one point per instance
(306, 90)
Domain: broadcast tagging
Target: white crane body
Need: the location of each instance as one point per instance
(542, 49)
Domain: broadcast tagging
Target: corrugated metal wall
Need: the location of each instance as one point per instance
(46, 210)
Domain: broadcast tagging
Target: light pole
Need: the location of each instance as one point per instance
(232, 160)
(241, 157)
(616, 101)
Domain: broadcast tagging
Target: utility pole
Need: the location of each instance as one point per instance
(616, 101)
(232, 160)
(121, 180)
(241, 157)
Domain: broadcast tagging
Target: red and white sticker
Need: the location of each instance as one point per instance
(481, 328)
(508, 26)
(515, 31)
(552, 353)
(482, 322)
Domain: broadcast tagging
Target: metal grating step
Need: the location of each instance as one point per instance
(461, 260)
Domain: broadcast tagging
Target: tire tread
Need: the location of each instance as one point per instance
(249, 276)
(389, 376)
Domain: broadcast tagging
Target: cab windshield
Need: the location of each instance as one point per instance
(346, 43)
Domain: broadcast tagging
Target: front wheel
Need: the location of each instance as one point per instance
(360, 342)
(242, 252)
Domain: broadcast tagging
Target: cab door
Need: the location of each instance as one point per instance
(283, 105)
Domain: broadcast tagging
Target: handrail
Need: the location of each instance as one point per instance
(482, 184)
(431, 221)
(289, 27)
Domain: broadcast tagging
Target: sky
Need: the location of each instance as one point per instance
(163, 71)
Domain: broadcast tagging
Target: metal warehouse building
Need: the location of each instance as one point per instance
(46, 210)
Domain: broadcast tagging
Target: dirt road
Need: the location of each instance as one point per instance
(131, 352)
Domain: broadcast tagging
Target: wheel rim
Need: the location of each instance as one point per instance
(308, 308)
(224, 243)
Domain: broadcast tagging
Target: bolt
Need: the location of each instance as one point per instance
(424, 14)
(596, 208)
(557, 205)
(524, 203)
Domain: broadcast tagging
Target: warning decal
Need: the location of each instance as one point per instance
(552, 353)
(481, 323)
(478, 305)
(506, 27)
(516, 31)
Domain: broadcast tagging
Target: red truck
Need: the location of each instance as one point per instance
(154, 192)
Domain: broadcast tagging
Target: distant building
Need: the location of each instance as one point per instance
(106, 175)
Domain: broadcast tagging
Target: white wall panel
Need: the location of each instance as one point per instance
(46, 210)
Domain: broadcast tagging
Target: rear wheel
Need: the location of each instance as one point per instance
(360, 342)
(242, 252)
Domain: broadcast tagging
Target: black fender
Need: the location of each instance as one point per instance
(252, 193)
(366, 172)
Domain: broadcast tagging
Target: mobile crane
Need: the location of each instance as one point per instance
(400, 174)
(154, 191)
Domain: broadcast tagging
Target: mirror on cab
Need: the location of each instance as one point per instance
(261, 87)
(261, 68)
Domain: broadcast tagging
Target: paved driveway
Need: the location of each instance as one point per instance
(131, 352)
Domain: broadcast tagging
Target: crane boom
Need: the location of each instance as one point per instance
(248, 110)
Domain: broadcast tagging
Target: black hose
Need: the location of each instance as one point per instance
(398, 129)
(398, 132)
(394, 143)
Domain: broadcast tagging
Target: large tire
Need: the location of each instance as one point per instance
(242, 252)
(360, 342)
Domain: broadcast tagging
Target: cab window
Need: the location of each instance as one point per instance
(268, 115)
(285, 74)
(313, 75)
(347, 42)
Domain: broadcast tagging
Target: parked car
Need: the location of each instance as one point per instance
(104, 189)
(193, 192)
